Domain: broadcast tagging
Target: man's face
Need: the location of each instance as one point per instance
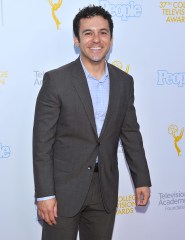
(94, 39)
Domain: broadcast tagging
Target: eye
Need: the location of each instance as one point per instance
(104, 33)
(88, 33)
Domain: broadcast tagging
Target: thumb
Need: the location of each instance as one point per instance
(55, 210)
(138, 198)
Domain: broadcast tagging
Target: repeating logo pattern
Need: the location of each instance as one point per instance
(54, 8)
(4, 151)
(173, 131)
(1, 12)
(174, 12)
(172, 201)
(168, 78)
(119, 65)
(126, 205)
(3, 77)
(122, 11)
(38, 77)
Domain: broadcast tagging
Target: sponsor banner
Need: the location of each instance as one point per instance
(55, 6)
(126, 205)
(1, 13)
(173, 12)
(38, 77)
(172, 200)
(168, 78)
(119, 65)
(5, 151)
(3, 76)
(123, 11)
(177, 137)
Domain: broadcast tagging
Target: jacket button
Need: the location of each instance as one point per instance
(89, 168)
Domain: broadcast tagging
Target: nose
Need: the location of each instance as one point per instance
(96, 38)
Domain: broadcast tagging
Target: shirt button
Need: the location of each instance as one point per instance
(89, 167)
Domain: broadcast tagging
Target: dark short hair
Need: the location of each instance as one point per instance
(88, 12)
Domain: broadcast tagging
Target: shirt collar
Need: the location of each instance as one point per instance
(88, 75)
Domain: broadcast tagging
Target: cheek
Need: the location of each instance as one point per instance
(109, 44)
(86, 43)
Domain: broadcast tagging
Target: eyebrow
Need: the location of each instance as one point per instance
(90, 30)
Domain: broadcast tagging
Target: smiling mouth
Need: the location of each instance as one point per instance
(96, 48)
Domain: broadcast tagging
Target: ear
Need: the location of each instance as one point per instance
(76, 42)
(111, 42)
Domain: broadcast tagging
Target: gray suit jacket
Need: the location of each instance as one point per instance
(65, 141)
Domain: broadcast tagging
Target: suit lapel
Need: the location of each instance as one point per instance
(80, 83)
(112, 99)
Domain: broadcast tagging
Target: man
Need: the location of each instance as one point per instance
(82, 111)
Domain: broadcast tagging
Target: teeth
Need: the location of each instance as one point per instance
(96, 48)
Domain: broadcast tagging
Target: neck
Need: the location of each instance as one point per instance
(96, 69)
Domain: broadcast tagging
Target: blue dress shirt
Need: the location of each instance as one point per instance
(99, 91)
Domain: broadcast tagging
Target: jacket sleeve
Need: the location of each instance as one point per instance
(133, 145)
(45, 123)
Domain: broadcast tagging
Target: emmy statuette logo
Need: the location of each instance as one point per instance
(54, 8)
(119, 65)
(173, 131)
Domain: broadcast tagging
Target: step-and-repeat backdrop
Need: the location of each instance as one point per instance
(36, 36)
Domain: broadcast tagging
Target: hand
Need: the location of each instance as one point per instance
(142, 196)
(47, 210)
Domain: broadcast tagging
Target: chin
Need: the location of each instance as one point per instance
(97, 59)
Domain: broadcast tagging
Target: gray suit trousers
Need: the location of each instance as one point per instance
(92, 222)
